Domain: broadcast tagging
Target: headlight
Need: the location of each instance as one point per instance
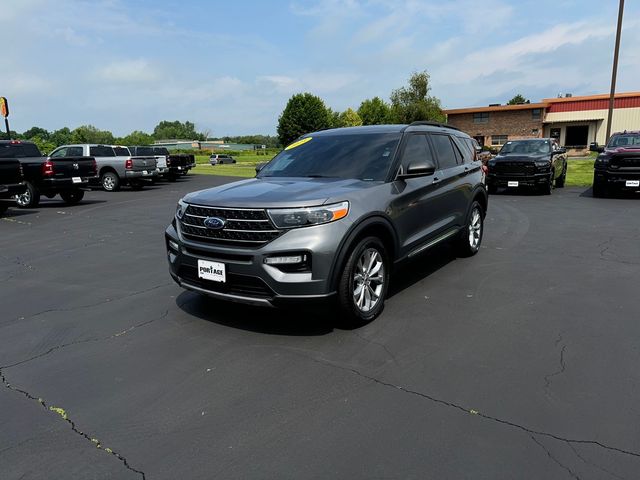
(303, 217)
(181, 208)
(543, 163)
(602, 159)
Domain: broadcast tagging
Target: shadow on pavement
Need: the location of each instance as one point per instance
(290, 321)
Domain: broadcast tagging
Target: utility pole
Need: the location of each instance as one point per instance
(614, 73)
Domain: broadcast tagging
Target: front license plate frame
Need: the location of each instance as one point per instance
(212, 271)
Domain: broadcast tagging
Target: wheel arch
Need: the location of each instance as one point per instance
(375, 225)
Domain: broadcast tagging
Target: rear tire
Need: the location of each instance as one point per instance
(470, 239)
(363, 283)
(72, 197)
(110, 182)
(30, 198)
(561, 179)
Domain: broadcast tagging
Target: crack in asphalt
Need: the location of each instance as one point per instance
(465, 410)
(60, 411)
(602, 469)
(102, 302)
(563, 367)
(73, 425)
(555, 460)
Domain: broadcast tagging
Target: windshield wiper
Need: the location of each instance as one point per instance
(314, 175)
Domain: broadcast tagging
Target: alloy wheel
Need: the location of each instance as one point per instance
(475, 228)
(368, 280)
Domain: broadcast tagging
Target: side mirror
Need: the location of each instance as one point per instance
(418, 169)
(594, 147)
(600, 149)
(260, 166)
(561, 150)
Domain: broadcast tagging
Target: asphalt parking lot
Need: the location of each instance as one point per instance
(520, 362)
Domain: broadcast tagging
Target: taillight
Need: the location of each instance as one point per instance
(128, 164)
(95, 167)
(485, 169)
(47, 168)
(168, 162)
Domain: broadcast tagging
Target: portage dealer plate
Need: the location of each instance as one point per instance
(632, 183)
(513, 184)
(212, 271)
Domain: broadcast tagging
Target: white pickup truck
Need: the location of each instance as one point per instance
(116, 166)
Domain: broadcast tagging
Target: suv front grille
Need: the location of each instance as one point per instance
(242, 285)
(513, 168)
(243, 227)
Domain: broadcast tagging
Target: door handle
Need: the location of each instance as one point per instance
(436, 180)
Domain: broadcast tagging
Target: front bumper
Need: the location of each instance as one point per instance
(618, 179)
(502, 180)
(8, 191)
(249, 279)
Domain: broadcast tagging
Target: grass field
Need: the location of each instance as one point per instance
(580, 173)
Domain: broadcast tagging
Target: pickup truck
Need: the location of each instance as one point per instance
(66, 175)
(116, 166)
(11, 182)
(538, 163)
(147, 151)
(618, 165)
(174, 165)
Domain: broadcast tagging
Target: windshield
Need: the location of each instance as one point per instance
(360, 156)
(526, 147)
(632, 141)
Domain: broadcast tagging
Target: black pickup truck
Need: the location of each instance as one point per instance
(618, 165)
(67, 176)
(539, 163)
(11, 182)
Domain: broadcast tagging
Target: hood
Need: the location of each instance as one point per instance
(278, 192)
(518, 157)
(623, 150)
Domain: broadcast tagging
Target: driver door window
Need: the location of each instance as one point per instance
(59, 153)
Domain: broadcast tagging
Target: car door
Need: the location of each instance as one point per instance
(414, 204)
(452, 174)
(558, 159)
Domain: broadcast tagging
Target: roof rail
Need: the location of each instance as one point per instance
(433, 124)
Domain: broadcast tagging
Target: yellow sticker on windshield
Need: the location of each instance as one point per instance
(298, 143)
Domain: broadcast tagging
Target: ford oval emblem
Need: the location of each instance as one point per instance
(214, 223)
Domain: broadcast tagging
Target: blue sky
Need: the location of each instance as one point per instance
(231, 66)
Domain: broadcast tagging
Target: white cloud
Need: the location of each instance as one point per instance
(127, 71)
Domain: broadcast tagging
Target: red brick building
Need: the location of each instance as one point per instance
(574, 121)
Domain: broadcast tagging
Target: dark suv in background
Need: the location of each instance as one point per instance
(330, 216)
(537, 163)
(618, 165)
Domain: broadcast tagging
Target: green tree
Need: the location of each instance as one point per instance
(517, 100)
(334, 118)
(374, 112)
(36, 132)
(413, 102)
(44, 145)
(91, 134)
(350, 118)
(304, 113)
(62, 136)
(137, 137)
(177, 130)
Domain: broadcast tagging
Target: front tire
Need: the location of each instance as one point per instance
(30, 198)
(562, 179)
(72, 197)
(599, 189)
(110, 182)
(547, 187)
(492, 189)
(364, 283)
(470, 237)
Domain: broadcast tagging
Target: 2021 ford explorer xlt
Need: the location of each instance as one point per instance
(329, 217)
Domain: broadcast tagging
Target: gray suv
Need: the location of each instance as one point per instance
(330, 216)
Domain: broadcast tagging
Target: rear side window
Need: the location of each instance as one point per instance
(74, 152)
(61, 152)
(448, 155)
(101, 151)
(121, 151)
(466, 148)
(19, 150)
(416, 150)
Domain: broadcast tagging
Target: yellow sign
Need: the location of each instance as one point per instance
(298, 143)
(4, 107)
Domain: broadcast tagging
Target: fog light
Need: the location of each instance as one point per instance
(174, 246)
(288, 260)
